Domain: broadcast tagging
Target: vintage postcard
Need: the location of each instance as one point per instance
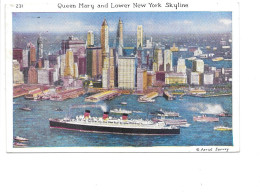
(122, 77)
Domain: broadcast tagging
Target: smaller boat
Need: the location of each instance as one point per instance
(21, 139)
(120, 111)
(222, 128)
(146, 100)
(204, 118)
(218, 59)
(26, 108)
(123, 103)
(137, 112)
(45, 97)
(17, 144)
(224, 114)
(58, 109)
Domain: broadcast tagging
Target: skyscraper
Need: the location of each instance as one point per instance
(158, 59)
(119, 38)
(39, 48)
(69, 64)
(104, 38)
(198, 66)
(32, 54)
(94, 62)
(105, 54)
(167, 60)
(181, 67)
(90, 39)
(139, 36)
(127, 72)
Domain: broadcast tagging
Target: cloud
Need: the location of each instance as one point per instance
(225, 21)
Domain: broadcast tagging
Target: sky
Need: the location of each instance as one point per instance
(153, 22)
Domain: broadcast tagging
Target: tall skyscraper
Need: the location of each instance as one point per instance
(112, 68)
(39, 48)
(94, 62)
(167, 60)
(90, 39)
(69, 64)
(32, 54)
(105, 54)
(119, 38)
(139, 36)
(158, 59)
(104, 38)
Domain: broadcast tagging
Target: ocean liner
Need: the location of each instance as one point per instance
(108, 124)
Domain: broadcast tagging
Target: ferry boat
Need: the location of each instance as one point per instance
(218, 59)
(120, 111)
(175, 122)
(204, 118)
(112, 125)
(167, 113)
(222, 128)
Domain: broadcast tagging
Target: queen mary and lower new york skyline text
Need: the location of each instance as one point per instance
(122, 5)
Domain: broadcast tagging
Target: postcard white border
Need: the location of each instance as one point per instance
(51, 6)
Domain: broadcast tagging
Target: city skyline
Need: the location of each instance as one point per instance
(152, 22)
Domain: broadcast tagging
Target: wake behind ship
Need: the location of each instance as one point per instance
(112, 125)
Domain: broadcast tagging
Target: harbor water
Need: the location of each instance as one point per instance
(34, 124)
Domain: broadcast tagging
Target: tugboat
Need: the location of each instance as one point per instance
(58, 109)
(224, 114)
(112, 125)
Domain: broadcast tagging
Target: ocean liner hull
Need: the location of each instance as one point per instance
(110, 129)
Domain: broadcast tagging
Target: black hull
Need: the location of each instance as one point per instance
(113, 130)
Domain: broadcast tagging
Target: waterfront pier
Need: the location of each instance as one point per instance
(105, 95)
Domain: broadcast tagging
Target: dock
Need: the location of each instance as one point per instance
(168, 96)
(105, 95)
(67, 94)
(148, 97)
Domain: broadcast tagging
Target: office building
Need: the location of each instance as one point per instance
(127, 72)
(167, 60)
(119, 38)
(181, 67)
(90, 39)
(69, 64)
(17, 74)
(139, 36)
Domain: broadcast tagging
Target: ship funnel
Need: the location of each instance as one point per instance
(105, 115)
(125, 116)
(87, 114)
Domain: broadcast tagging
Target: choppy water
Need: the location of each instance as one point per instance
(34, 124)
